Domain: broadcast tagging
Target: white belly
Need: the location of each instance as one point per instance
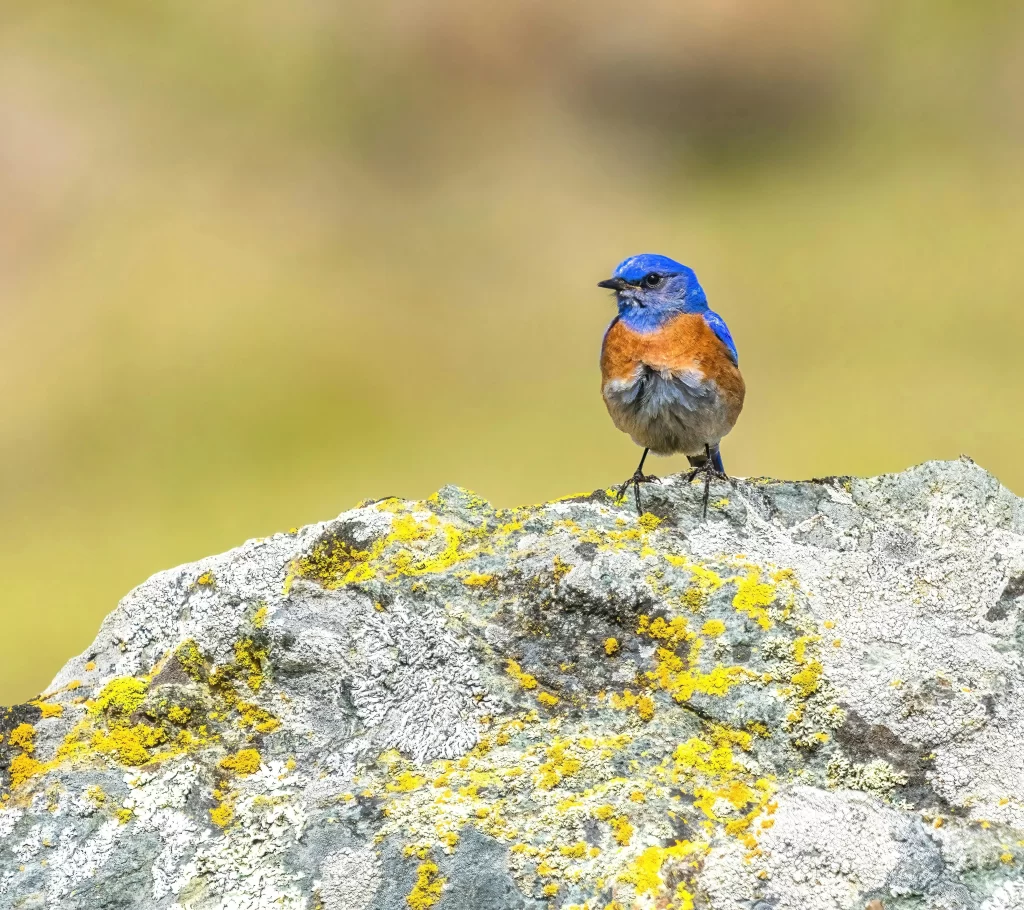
(668, 412)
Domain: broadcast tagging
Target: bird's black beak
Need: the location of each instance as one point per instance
(613, 284)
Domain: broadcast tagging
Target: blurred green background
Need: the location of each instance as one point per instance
(259, 261)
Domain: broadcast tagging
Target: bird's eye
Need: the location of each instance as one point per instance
(652, 280)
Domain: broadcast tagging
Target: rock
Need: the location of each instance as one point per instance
(814, 700)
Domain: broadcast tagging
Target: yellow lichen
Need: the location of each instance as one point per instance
(259, 618)
(753, 597)
(717, 779)
(684, 899)
(672, 633)
(406, 528)
(418, 543)
(333, 563)
(250, 657)
(645, 707)
(703, 581)
(800, 647)
(406, 782)
(48, 710)
(648, 522)
(405, 563)
(427, 890)
(808, 678)
(190, 659)
(622, 830)
(643, 704)
(129, 745)
(673, 675)
(558, 765)
(526, 680)
(611, 645)
(207, 579)
(179, 715)
(477, 579)
(566, 777)
(110, 727)
(560, 568)
(120, 699)
(725, 736)
(124, 815)
(261, 720)
(21, 768)
(23, 737)
(222, 815)
(644, 873)
(244, 762)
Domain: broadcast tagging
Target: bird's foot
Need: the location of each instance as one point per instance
(638, 478)
(709, 471)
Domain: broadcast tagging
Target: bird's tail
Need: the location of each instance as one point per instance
(699, 461)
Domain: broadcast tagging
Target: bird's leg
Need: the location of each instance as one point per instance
(638, 478)
(723, 474)
(707, 469)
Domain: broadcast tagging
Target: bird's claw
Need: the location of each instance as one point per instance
(637, 479)
(709, 471)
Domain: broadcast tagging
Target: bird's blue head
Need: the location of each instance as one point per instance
(651, 289)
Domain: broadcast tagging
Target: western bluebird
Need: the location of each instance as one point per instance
(669, 369)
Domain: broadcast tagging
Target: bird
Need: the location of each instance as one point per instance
(670, 374)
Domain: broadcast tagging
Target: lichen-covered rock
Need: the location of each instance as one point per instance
(812, 700)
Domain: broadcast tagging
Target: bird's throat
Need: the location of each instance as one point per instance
(644, 319)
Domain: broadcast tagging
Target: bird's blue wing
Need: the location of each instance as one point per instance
(718, 326)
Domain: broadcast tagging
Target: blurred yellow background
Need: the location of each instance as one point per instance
(259, 261)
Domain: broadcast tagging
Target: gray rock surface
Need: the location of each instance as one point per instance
(812, 701)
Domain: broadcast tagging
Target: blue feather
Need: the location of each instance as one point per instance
(718, 326)
(716, 460)
(635, 267)
(698, 461)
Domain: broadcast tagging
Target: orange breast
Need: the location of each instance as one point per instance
(685, 343)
